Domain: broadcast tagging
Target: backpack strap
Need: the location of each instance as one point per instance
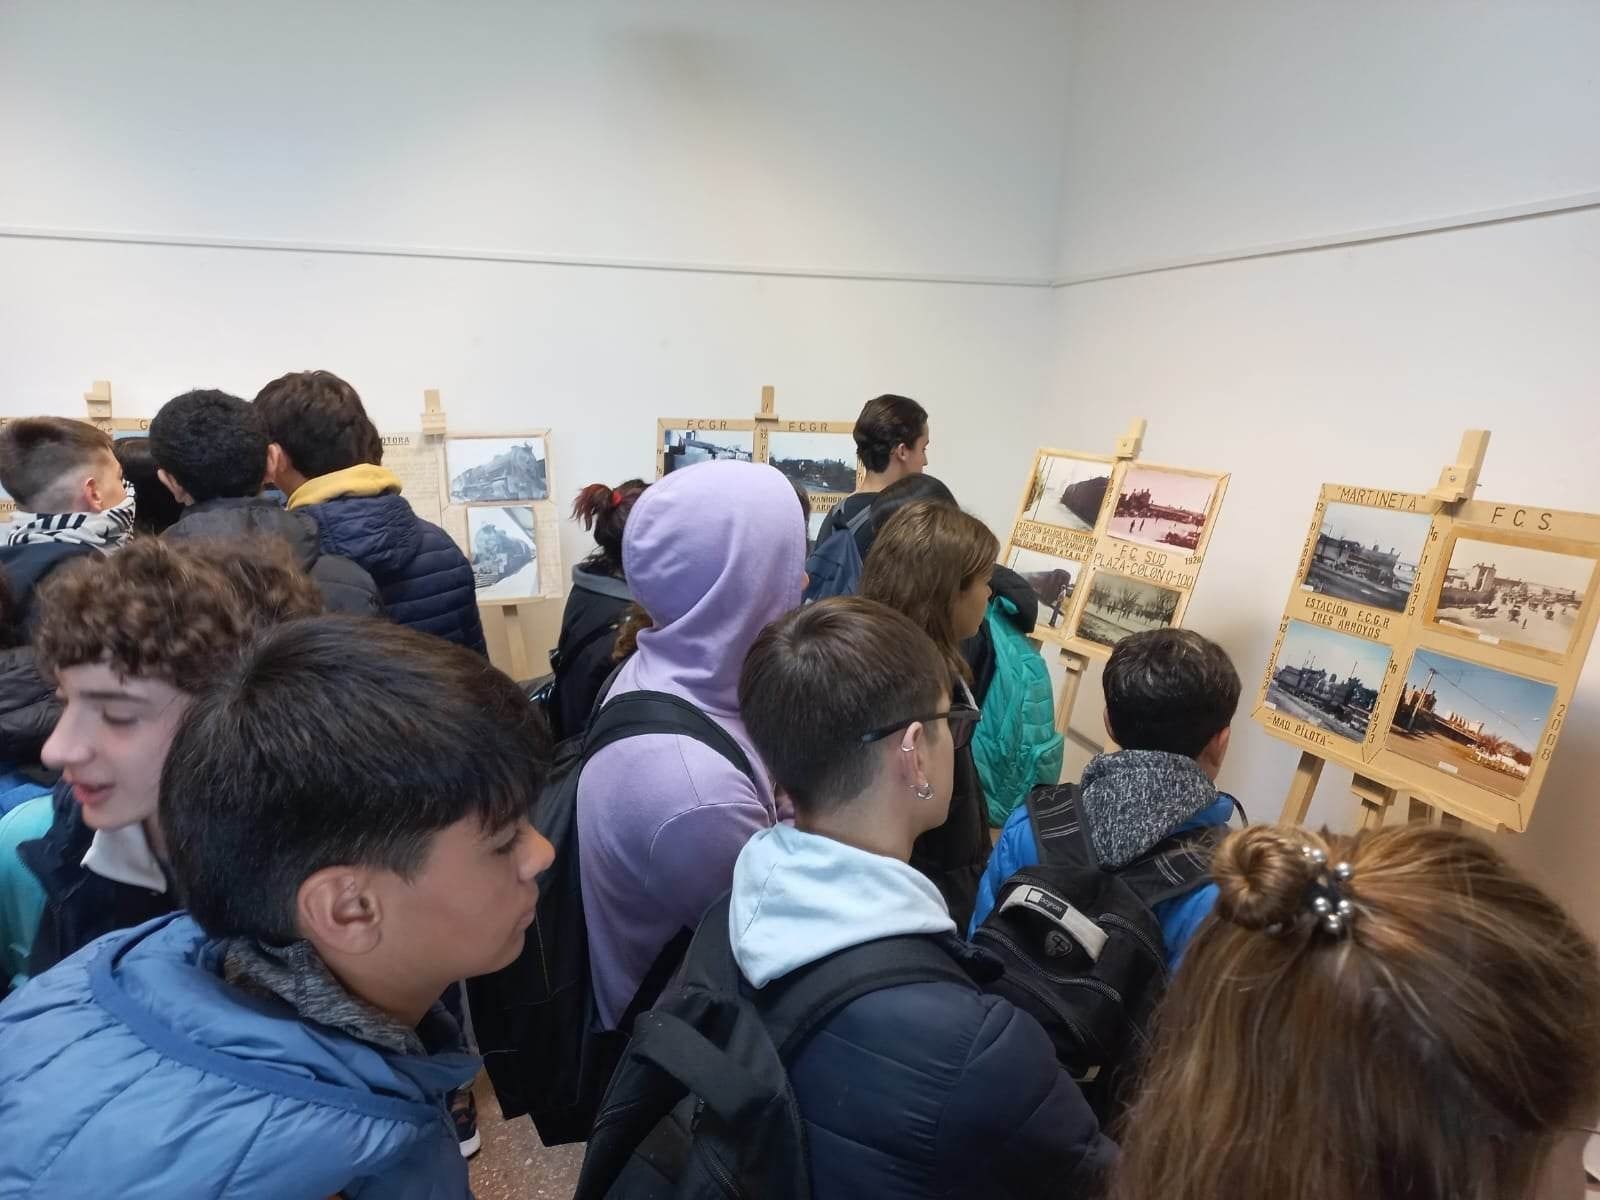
(1059, 831)
(860, 519)
(559, 659)
(634, 714)
(1174, 866)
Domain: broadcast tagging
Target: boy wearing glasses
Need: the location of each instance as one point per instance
(921, 1089)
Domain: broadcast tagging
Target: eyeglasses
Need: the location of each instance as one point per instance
(961, 718)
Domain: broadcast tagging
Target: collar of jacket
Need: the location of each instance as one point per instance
(601, 584)
(364, 479)
(124, 856)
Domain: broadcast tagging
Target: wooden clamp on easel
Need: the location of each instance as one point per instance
(97, 402)
(1457, 482)
(1073, 663)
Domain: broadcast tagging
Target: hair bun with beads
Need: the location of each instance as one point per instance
(1262, 874)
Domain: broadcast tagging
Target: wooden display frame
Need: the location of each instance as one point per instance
(1475, 777)
(761, 427)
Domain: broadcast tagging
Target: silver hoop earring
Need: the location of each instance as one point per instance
(923, 791)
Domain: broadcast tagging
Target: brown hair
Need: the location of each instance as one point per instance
(35, 452)
(179, 612)
(887, 422)
(634, 622)
(605, 510)
(1435, 1050)
(819, 678)
(319, 422)
(925, 555)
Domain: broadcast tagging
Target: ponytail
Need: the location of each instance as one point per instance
(604, 510)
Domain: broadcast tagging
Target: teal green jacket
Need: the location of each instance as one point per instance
(21, 896)
(1016, 744)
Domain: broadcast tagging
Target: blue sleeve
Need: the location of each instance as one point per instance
(21, 897)
(1181, 918)
(1012, 852)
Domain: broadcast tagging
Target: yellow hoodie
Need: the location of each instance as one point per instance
(365, 479)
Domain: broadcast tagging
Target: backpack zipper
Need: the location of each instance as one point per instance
(1051, 1003)
(719, 1173)
(1137, 935)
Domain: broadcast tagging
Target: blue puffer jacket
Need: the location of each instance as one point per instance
(423, 578)
(133, 1070)
(918, 1091)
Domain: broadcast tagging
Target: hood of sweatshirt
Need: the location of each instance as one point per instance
(1132, 799)
(714, 553)
(798, 897)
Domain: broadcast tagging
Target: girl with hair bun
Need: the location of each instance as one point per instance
(583, 655)
(1397, 1014)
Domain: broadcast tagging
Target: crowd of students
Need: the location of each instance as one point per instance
(266, 805)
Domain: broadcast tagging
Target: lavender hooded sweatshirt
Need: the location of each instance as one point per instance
(714, 553)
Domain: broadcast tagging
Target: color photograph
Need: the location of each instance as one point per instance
(496, 468)
(686, 447)
(1367, 555)
(1162, 508)
(1327, 679)
(1514, 594)
(822, 463)
(1067, 492)
(1472, 721)
(1118, 606)
(1053, 581)
(505, 554)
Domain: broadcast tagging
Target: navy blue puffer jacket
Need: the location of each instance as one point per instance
(423, 578)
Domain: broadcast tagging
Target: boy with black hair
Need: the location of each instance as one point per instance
(922, 1089)
(281, 1039)
(326, 455)
(210, 450)
(1170, 700)
(71, 501)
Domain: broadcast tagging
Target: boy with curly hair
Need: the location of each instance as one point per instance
(128, 641)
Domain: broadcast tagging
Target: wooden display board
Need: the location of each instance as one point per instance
(820, 456)
(1431, 643)
(1111, 545)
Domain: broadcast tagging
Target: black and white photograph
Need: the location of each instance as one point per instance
(1514, 594)
(686, 447)
(1067, 492)
(505, 553)
(496, 468)
(1162, 508)
(1367, 555)
(1053, 580)
(822, 463)
(1472, 721)
(1327, 679)
(1117, 606)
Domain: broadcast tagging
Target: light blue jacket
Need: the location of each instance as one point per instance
(1179, 917)
(132, 1069)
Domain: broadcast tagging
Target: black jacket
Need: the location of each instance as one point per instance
(28, 707)
(934, 1089)
(954, 854)
(79, 905)
(582, 657)
(345, 587)
(423, 579)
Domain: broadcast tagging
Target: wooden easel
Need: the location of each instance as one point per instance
(1073, 663)
(1457, 481)
(97, 403)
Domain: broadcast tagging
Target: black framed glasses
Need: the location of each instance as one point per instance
(961, 718)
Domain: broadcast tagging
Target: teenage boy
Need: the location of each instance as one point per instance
(210, 450)
(347, 814)
(917, 1090)
(1170, 699)
(127, 641)
(325, 455)
(71, 501)
(892, 442)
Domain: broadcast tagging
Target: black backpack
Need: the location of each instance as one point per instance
(535, 1020)
(544, 692)
(1082, 948)
(700, 1106)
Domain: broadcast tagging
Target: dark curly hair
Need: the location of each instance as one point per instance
(179, 612)
(320, 422)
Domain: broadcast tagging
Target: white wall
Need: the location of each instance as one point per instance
(1206, 126)
(1202, 126)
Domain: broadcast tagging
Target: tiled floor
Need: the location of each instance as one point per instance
(513, 1165)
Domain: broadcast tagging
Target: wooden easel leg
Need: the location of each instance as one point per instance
(1304, 785)
(1075, 665)
(516, 642)
(1375, 798)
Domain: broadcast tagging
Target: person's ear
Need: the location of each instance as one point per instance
(901, 453)
(1110, 732)
(1215, 751)
(278, 462)
(179, 493)
(338, 908)
(910, 757)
